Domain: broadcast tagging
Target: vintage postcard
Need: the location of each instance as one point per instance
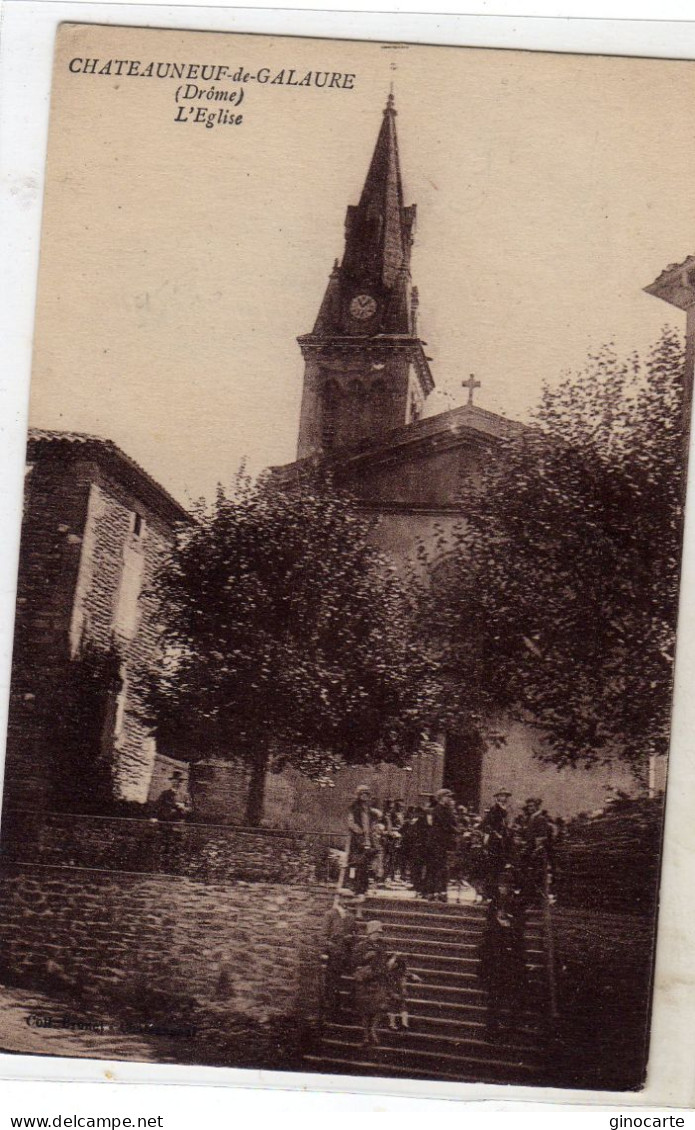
(349, 570)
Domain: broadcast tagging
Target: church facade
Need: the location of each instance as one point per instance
(366, 382)
(96, 525)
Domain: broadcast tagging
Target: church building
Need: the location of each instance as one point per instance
(366, 382)
(96, 526)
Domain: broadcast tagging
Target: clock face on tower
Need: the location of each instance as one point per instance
(363, 307)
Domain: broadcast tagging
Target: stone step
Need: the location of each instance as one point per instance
(417, 1040)
(457, 973)
(490, 1071)
(442, 1002)
(445, 950)
(465, 992)
(448, 977)
(427, 964)
(488, 1061)
(436, 927)
(422, 908)
(458, 933)
(443, 914)
(447, 1008)
(428, 1028)
(466, 1003)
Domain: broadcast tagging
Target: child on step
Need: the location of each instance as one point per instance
(398, 976)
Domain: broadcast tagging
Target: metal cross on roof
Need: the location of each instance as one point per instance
(471, 384)
(392, 66)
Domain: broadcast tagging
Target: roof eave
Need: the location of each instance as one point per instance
(108, 455)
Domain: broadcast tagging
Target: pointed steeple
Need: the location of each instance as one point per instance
(378, 239)
(366, 371)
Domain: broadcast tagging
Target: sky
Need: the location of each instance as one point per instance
(179, 263)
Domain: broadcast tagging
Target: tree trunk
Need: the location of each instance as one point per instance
(256, 793)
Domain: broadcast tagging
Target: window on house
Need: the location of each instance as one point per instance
(127, 603)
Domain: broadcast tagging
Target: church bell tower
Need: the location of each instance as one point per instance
(365, 368)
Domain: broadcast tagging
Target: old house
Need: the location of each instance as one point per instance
(95, 528)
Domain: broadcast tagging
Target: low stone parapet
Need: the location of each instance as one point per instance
(205, 852)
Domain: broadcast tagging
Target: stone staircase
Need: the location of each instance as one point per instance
(446, 1039)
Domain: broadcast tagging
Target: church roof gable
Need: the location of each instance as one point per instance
(461, 426)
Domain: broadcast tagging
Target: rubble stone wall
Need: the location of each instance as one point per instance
(199, 851)
(102, 936)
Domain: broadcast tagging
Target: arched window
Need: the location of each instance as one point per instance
(357, 423)
(330, 409)
(379, 406)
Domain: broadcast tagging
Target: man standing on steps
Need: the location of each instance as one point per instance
(419, 835)
(441, 841)
(495, 828)
(361, 848)
(537, 851)
(502, 968)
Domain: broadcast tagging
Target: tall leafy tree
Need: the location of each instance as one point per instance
(559, 599)
(288, 638)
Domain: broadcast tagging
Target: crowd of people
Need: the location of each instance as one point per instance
(428, 847)
(508, 863)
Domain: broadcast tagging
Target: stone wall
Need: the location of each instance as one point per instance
(104, 937)
(218, 791)
(56, 500)
(199, 851)
(613, 862)
(114, 599)
(292, 801)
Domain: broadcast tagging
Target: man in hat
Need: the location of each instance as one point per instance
(340, 939)
(502, 968)
(416, 840)
(361, 846)
(495, 828)
(537, 851)
(440, 842)
(171, 804)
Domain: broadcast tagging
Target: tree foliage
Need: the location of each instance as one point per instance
(288, 638)
(558, 603)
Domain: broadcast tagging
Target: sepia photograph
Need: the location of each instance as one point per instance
(348, 583)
